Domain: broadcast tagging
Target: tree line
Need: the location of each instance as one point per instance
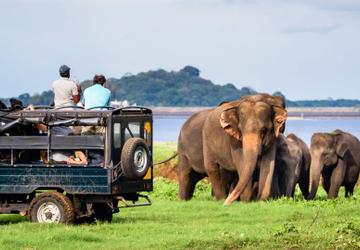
(181, 88)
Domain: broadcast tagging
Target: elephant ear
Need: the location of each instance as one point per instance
(280, 115)
(229, 122)
(341, 146)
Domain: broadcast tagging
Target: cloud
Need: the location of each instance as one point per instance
(291, 46)
(312, 29)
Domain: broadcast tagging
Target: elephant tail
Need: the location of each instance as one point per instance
(168, 159)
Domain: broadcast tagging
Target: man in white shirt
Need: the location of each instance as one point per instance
(66, 92)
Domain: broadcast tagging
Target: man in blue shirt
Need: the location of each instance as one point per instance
(96, 95)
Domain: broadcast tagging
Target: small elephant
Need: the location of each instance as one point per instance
(292, 167)
(336, 157)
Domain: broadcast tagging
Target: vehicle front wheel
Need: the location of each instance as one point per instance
(51, 207)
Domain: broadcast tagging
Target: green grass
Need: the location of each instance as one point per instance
(201, 223)
(163, 150)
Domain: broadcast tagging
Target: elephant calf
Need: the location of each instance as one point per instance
(336, 157)
(292, 167)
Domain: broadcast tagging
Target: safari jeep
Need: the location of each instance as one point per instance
(32, 183)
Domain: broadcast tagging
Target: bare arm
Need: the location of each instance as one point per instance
(80, 159)
(76, 98)
(76, 93)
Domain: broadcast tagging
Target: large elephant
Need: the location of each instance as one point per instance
(190, 147)
(336, 157)
(190, 150)
(239, 136)
(292, 167)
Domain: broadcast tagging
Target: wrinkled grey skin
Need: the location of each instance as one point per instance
(292, 167)
(190, 148)
(191, 160)
(336, 157)
(239, 136)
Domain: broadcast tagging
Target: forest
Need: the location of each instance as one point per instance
(183, 88)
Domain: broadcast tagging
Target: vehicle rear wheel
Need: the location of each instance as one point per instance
(51, 207)
(102, 212)
(135, 158)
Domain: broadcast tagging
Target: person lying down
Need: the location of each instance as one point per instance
(66, 157)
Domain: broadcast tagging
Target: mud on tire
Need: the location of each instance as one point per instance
(51, 207)
(135, 158)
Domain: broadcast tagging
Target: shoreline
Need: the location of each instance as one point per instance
(293, 113)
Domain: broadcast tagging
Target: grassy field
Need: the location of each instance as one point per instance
(201, 224)
(163, 150)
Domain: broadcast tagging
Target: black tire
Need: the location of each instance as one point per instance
(102, 212)
(51, 207)
(135, 150)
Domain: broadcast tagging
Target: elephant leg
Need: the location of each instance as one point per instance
(290, 181)
(267, 166)
(304, 183)
(187, 184)
(350, 179)
(255, 190)
(275, 189)
(213, 171)
(337, 178)
(187, 179)
(247, 194)
(349, 190)
(228, 179)
(326, 179)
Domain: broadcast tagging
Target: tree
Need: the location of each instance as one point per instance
(191, 71)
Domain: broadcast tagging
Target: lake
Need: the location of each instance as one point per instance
(166, 128)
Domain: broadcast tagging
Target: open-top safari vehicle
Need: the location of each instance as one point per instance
(33, 183)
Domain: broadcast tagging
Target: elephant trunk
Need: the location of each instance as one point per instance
(251, 150)
(316, 167)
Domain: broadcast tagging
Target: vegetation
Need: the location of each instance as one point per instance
(164, 150)
(178, 88)
(201, 223)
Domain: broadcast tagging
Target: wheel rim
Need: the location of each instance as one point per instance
(140, 159)
(48, 212)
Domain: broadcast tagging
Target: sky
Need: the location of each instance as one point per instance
(306, 49)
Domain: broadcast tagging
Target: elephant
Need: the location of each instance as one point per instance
(239, 136)
(191, 167)
(190, 151)
(336, 157)
(292, 167)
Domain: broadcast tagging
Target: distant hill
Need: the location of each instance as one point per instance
(183, 88)
(175, 88)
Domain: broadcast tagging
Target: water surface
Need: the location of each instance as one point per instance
(166, 128)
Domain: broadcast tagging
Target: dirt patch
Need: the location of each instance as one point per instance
(166, 170)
